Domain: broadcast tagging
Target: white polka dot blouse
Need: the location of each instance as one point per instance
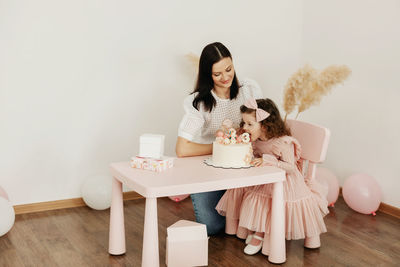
(199, 126)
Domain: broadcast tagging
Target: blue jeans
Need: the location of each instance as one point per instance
(204, 210)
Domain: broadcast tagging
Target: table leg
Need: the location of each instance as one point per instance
(116, 244)
(150, 254)
(277, 233)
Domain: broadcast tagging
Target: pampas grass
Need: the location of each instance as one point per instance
(296, 86)
(306, 87)
(194, 59)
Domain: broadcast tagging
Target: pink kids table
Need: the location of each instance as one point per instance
(189, 175)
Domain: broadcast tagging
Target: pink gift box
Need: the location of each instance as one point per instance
(186, 244)
(151, 164)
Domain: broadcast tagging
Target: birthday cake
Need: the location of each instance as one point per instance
(231, 150)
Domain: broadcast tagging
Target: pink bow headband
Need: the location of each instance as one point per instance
(260, 113)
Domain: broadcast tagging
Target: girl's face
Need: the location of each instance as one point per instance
(251, 126)
(223, 72)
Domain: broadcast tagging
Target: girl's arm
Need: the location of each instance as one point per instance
(271, 160)
(186, 148)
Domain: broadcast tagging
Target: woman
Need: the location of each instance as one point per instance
(217, 96)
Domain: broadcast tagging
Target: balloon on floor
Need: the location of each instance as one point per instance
(178, 198)
(330, 183)
(362, 193)
(96, 192)
(7, 216)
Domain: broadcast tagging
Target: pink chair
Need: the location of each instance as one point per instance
(314, 142)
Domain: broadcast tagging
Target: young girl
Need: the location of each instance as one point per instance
(249, 208)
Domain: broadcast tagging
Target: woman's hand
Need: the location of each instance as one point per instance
(257, 162)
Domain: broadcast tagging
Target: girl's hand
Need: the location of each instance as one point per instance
(257, 162)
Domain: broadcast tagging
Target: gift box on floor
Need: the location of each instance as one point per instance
(187, 244)
(151, 164)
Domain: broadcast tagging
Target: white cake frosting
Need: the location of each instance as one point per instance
(231, 150)
(232, 155)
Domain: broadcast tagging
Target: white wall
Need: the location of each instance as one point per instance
(363, 113)
(81, 80)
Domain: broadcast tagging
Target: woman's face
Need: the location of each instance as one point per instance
(223, 72)
(251, 126)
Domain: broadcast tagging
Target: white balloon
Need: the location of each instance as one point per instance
(7, 216)
(96, 192)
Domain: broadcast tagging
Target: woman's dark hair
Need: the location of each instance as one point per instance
(274, 126)
(210, 55)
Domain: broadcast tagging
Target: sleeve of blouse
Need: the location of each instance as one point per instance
(254, 90)
(192, 121)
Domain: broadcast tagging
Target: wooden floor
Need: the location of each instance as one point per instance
(79, 237)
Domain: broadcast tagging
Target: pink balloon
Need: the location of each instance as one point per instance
(330, 183)
(362, 193)
(3, 193)
(178, 198)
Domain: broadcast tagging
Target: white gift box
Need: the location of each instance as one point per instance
(151, 145)
(156, 165)
(187, 244)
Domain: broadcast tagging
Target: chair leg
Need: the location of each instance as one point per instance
(312, 242)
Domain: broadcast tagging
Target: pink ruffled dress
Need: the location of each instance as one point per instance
(305, 202)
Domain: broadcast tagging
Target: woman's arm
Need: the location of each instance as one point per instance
(186, 148)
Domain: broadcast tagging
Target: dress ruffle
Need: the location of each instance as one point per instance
(229, 206)
(303, 217)
(319, 194)
(230, 203)
(255, 208)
